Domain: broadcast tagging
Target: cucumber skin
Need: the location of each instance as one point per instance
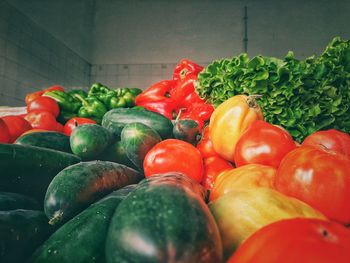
(115, 120)
(12, 201)
(169, 222)
(79, 185)
(116, 153)
(28, 170)
(51, 140)
(82, 239)
(89, 141)
(137, 139)
(21, 232)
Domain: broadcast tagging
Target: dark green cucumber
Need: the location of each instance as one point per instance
(164, 219)
(52, 140)
(12, 201)
(115, 120)
(89, 141)
(29, 170)
(116, 153)
(187, 130)
(82, 239)
(21, 232)
(137, 139)
(79, 185)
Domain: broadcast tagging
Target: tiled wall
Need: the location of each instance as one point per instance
(32, 59)
(132, 75)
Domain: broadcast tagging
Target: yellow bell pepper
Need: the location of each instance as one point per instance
(229, 120)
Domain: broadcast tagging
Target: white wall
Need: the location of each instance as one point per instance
(138, 42)
(32, 59)
(158, 31)
(70, 21)
(303, 26)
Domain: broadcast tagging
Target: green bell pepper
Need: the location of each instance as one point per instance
(135, 91)
(65, 101)
(92, 108)
(98, 90)
(117, 102)
(75, 92)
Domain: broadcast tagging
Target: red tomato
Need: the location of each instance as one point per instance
(320, 178)
(43, 120)
(174, 155)
(72, 123)
(301, 240)
(205, 145)
(331, 139)
(44, 104)
(16, 126)
(4, 132)
(263, 143)
(213, 166)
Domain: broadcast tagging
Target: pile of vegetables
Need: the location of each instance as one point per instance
(303, 96)
(165, 177)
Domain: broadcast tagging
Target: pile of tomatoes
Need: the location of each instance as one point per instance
(315, 172)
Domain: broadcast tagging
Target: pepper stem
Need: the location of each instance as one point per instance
(251, 100)
(178, 115)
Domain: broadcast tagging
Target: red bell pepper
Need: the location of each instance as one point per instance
(169, 97)
(199, 112)
(165, 107)
(184, 68)
(156, 92)
(32, 96)
(156, 98)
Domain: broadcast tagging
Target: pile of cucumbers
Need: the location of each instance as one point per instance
(84, 198)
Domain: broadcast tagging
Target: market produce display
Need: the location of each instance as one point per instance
(235, 162)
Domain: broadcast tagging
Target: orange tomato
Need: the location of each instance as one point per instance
(229, 120)
(247, 176)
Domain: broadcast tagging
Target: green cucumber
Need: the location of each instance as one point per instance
(164, 220)
(82, 239)
(187, 130)
(21, 232)
(115, 120)
(116, 153)
(52, 140)
(29, 170)
(89, 141)
(77, 186)
(137, 139)
(12, 201)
